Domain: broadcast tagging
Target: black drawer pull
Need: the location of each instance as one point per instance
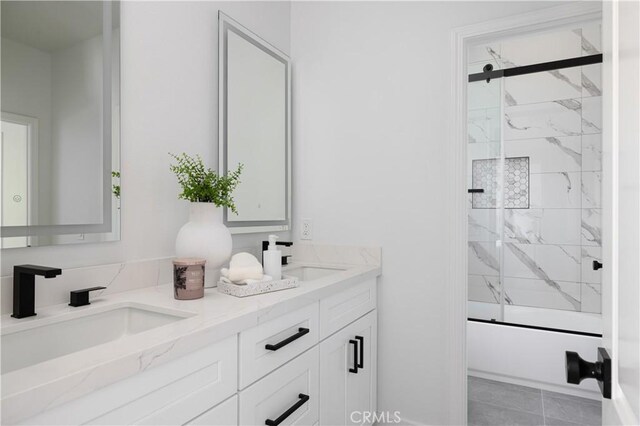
(475, 191)
(301, 332)
(303, 398)
(355, 356)
(361, 361)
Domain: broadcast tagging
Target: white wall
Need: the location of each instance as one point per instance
(371, 101)
(169, 103)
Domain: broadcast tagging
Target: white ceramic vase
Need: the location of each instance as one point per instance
(205, 236)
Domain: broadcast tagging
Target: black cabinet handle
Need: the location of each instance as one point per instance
(475, 191)
(303, 398)
(301, 332)
(355, 356)
(361, 361)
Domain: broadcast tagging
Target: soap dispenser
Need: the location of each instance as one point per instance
(272, 259)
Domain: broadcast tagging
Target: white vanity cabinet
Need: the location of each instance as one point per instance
(346, 306)
(348, 373)
(273, 343)
(223, 414)
(289, 395)
(168, 394)
(317, 386)
(314, 364)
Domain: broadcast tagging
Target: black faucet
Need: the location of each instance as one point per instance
(265, 245)
(24, 289)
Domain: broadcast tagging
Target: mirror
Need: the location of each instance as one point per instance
(255, 128)
(60, 101)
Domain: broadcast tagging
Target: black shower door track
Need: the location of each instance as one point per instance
(534, 327)
(530, 69)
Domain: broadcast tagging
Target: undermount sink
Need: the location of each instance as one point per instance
(308, 273)
(70, 333)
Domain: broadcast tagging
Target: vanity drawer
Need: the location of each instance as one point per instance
(224, 414)
(286, 337)
(293, 389)
(187, 400)
(171, 393)
(188, 396)
(343, 308)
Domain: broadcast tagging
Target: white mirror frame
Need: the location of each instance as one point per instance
(225, 23)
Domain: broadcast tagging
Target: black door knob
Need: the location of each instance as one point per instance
(578, 369)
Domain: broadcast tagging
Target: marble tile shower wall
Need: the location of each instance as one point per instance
(554, 119)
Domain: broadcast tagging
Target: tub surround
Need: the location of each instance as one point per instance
(41, 387)
(554, 119)
(536, 357)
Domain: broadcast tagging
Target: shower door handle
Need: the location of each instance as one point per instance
(578, 369)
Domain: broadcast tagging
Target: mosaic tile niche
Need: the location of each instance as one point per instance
(486, 175)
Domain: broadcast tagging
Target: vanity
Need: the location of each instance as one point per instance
(135, 354)
(305, 355)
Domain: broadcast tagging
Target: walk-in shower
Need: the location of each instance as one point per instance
(534, 178)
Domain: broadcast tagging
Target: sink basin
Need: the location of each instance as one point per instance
(308, 273)
(55, 337)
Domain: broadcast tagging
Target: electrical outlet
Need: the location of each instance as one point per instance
(306, 232)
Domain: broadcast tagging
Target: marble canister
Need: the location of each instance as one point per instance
(188, 278)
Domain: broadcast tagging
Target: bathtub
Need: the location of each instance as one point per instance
(532, 357)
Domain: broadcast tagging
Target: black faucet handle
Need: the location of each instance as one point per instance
(265, 244)
(81, 297)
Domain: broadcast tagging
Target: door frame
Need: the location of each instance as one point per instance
(617, 408)
(456, 201)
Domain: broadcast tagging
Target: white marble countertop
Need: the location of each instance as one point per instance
(37, 388)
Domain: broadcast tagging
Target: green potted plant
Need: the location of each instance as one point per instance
(204, 235)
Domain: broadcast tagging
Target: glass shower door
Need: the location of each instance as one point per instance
(485, 167)
(534, 177)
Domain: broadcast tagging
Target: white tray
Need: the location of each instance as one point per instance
(257, 288)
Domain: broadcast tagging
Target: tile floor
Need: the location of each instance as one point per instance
(492, 403)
